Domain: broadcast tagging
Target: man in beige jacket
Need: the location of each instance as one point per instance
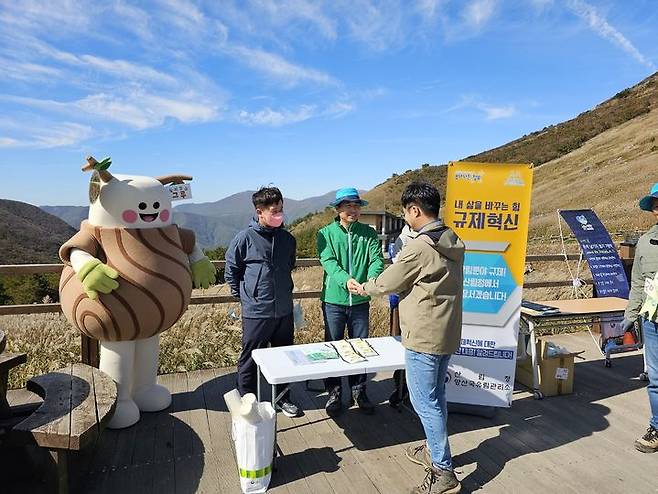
(428, 276)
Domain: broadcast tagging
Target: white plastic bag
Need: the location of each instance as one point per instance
(298, 316)
(254, 449)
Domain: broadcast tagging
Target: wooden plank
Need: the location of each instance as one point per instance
(84, 420)
(89, 351)
(164, 438)
(10, 360)
(589, 305)
(183, 439)
(7, 310)
(20, 269)
(105, 394)
(50, 425)
(220, 381)
(307, 462)
(7, 362)
(22, 396)
(198, 415)
(289, 469)
(349, 466)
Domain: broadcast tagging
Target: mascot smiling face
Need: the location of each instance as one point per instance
(129, 202)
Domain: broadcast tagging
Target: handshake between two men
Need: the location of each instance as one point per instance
(355, 287)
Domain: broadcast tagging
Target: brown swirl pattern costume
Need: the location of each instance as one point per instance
(155, 281)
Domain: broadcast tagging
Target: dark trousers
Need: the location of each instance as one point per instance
(258, 333)
(336, 318)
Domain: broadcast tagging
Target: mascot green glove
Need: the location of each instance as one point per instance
(98, 277)
(203, 273)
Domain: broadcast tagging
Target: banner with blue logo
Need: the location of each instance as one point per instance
(599, 251)
(488, 206)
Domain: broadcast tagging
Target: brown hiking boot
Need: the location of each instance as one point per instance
(420, 455)
(438, 481)
(649, 442)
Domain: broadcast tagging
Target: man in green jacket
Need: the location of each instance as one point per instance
(350, 254)
(428, 275)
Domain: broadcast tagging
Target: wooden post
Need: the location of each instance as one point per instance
(90, 351)
(60, 457)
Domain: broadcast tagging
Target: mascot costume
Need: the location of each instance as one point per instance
(128, 276)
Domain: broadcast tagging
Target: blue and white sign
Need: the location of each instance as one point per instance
(599, 251)
(488, 283)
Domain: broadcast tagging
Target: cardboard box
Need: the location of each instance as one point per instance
(555, 373)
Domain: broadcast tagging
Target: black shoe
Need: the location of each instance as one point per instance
(289, 409)
(361, 398)
(334, 406)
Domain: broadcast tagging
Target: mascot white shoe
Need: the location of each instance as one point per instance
(128, 276)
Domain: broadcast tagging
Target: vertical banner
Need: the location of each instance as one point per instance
(599, 251)
(488, 206)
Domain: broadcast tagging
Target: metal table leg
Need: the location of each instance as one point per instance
(258, 383)
(274, 400)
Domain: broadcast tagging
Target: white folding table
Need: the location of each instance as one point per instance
(278, 368)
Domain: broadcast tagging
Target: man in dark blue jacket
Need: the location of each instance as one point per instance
(259, 262)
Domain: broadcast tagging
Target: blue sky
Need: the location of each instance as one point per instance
(308, 95)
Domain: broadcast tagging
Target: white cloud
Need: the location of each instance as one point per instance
(497, 112)
(27, 71)
(277, 67)
(478, 12)
(183, 14)
(38, 15)
(283, 14)
(134, 19)
(134, 108)
(339, 109)
(58, 135)
(125, 70)
(278, 118)
(8, 142)
(491, 112)
(275, 118)
(603, 28)
(377, 27)
(429, 9)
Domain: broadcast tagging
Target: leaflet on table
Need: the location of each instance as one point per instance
(320, 353)
(347, 352)
(362, 347)
(354, 350)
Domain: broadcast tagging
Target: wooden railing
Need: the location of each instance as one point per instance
(23, 269)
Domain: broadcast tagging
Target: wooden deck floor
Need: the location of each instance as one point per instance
(571, 444)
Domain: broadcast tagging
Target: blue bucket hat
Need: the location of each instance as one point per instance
(348, 194)
(646, 203)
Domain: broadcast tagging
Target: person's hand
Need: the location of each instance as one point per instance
(627, 325)
(361, 291)
(353, 285)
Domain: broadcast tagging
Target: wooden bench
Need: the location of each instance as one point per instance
(7, 362)
(78, 401)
